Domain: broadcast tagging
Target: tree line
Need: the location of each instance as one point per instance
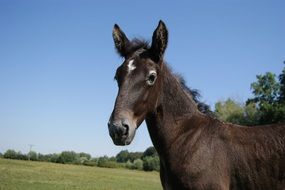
(147, 160)
(267, 105)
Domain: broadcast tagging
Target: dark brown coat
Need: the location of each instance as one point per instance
(196, 151)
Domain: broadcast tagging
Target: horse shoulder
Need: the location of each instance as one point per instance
(199, 158)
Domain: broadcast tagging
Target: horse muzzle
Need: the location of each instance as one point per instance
(122, 131)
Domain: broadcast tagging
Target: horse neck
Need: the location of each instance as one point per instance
(174, 107)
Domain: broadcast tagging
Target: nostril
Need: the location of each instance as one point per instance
(126, 126)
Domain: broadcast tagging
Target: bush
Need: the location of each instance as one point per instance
(138, 164)
(44, 157)
(89, 163)
(54, 158)
(68, 157)
(84, 155)
(151, 163)
(129, 165)
(33, 156)
(151, 151)
(106, 163)
(112, 164)
(122, 156)
(113, 159)
(1, 155)
(11, 154)
(134, 155)
(21, 156)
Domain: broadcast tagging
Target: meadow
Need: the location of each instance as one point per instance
(30, 175)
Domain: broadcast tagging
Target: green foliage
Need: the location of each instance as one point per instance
(21, 156)
(102, 161)
(54, 158)
(134, 161)
(67, 157)
(229, 110)
(267, 105)
(235, 112)
(251, 115)
(125, 155)
(11, 154)
(113, 158)
(135, 165)
(32, 155)
(138, 164)
(106, 163)
(265, 89)
(129, 165)
(268, 98)
(45, 157)
(151, 163)
(150, 151)
(1, 155)
(122, 156)
(89, 163)
(134, 155)
(84, 155)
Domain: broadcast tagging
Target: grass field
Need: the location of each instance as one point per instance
(25, 175)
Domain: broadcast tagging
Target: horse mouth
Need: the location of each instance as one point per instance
(123, 140)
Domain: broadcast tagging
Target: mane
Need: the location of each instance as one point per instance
(196, 96)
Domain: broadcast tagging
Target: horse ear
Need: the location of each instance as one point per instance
(121, 41)
(159, 41)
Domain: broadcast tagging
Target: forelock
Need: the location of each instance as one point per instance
(137, 46)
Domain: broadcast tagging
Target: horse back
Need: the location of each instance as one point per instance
(256, 156)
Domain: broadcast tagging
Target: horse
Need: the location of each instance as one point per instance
(197, 151)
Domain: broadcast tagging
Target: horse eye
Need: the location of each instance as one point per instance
(151, 78)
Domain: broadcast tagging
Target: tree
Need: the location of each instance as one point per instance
(11, 154)
(86, 155)
(102, 161)
(282, 86)
(67, 157)
(235, 112)
(229, 110)
(44, 157)
(138, 164)
(129, 165)
(113, 159)
(21, 156)
(150, 151)
(268, 98)
(54, 158)
(151, 163)
(265, 89)
(32, 155)
(106, 163)
(122, 156)
(134, 155)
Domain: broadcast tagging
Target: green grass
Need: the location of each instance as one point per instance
(29, 175)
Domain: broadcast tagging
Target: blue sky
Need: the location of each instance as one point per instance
(57, 62)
